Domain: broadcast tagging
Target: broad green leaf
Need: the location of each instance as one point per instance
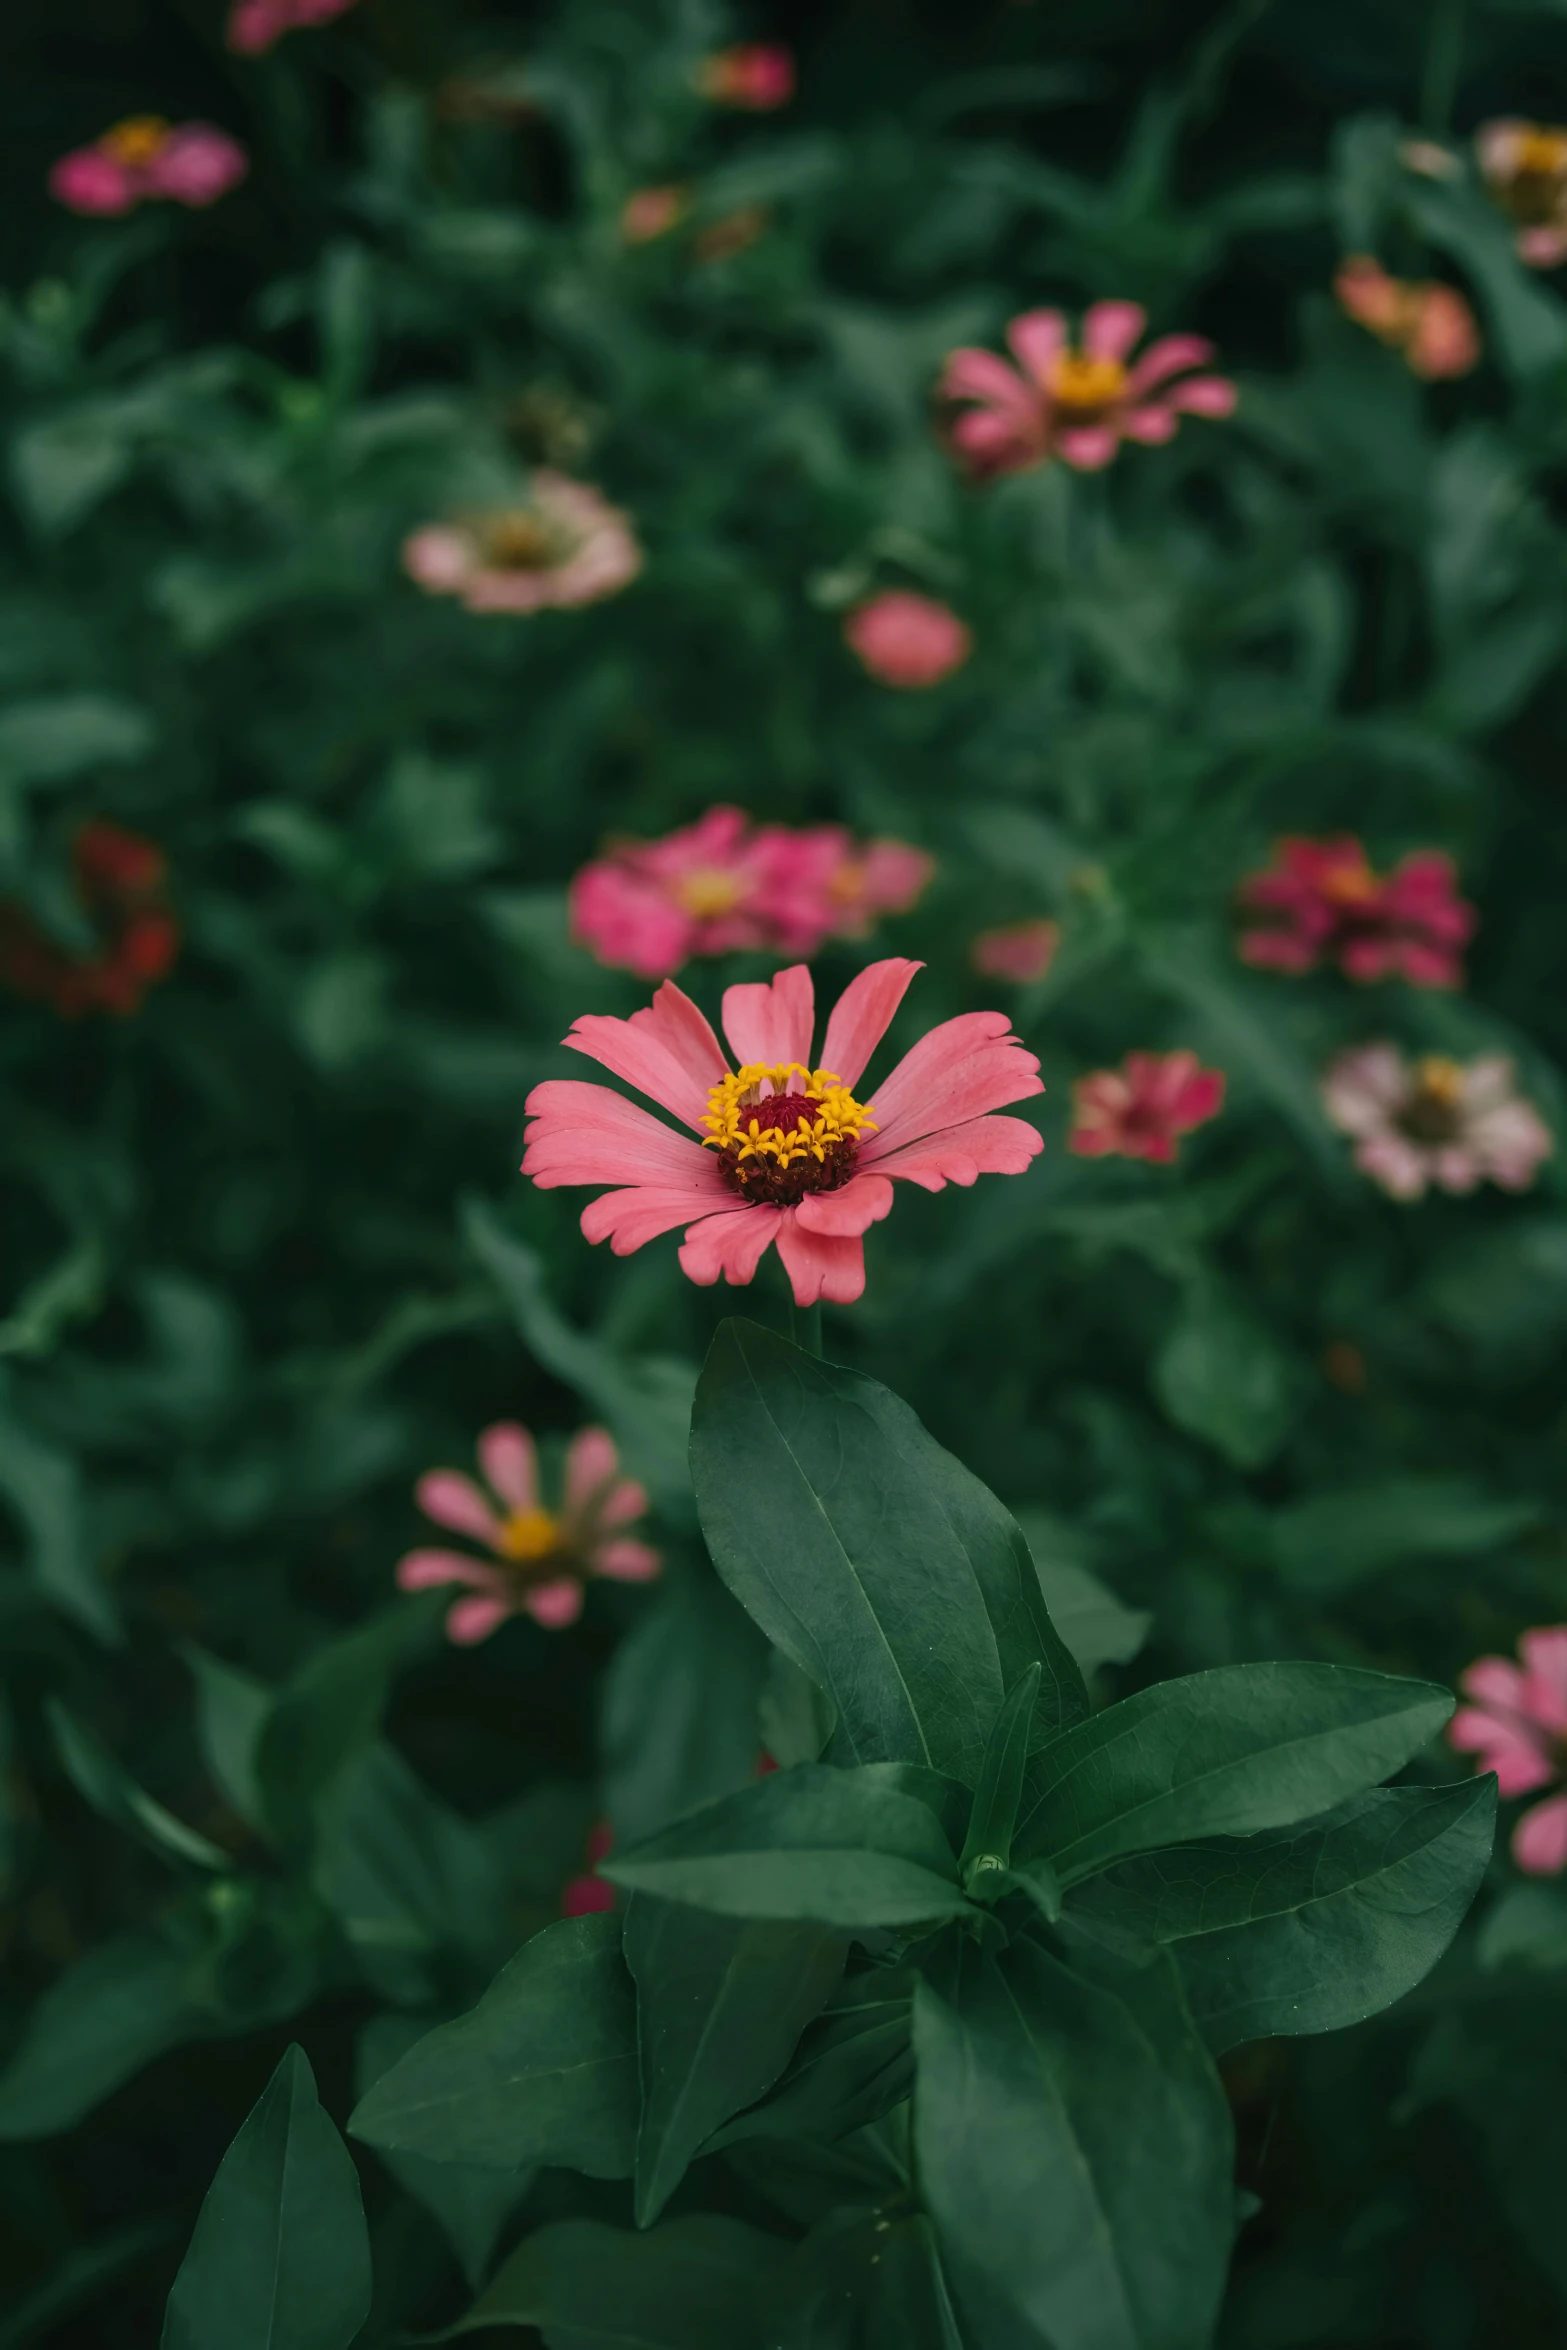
(109, 1788)
(680, 1705)
(44, 1488)
(471, 2205)
(701, 2283)
(987, 1847)
(1074, 2151)
(871, 1557)
(845, 1848)
(326, 1715)
(46, 741)
(543, 2070)
(1335, 1539)
(721, 2003)
(1221, 1376)
(854, 2064)
(231, 1708)
(280, 2259)
(865, 2278)
(1221, 1753)
(1096, 1626)
(404, 1874)
(1310, 1929)
(110, 2014)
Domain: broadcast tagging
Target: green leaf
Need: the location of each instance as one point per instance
(231, 1708)
(280, 2259)
(1096, 1626)
(471, 2205)
(845, 1848)
(680, 1706)
(1313, 1928)
(326, 1714)
(871, 1557)
(1527, 319)
(114, 1794)
(106, 2017)
(865, 2278)
(1502, 2063)
(542, 2070)
(1221, 1753)
(44, 1488)
(721, 2003)
(988, 1845)
(404, 1874)
(1074, 2151)
(702, 2283)
(854, 2064)
(48, 741)
(1221, 1376)
(1336, 1539)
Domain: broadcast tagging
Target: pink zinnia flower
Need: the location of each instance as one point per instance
(146, 159)
(1435, 1121)
(787, 1152)
(1325, 904)
(1141, 1109)
(567, 546)
(1518, 1727)
(907, 640)
(583, 1895)
(1430, 323)
(254, 25)
(1076, 404)
(1020, 951)
(755, 75)
(540, 1558)
(1524, 165)
(885, 877)
(652, 212)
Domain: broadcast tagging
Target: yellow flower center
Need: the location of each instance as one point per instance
(1350, 884)
(528, 1535)
(783, 1111)
(1542, 151)
(708, 891)
(136, 140)
(521, 540)
(1440, 1080)
(1082, 384)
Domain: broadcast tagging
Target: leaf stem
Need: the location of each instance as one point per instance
(1439, 74)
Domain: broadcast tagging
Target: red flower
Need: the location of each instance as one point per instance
(755, 75)
(1325, 903)
(120, 883)
(1139, 1110)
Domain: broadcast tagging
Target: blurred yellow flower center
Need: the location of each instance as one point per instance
(527, 1535)
(1350, 884)
(1541, 151)
(708, 891)
(521, 541)
(136, 140)
(1440, 1080)
(1080, 383)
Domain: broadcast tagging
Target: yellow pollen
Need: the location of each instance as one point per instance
(847, 882)
(518, 540)
(732, 1122)
(136, 140)
(1440, 1079)
(528, 1535)
(707, 891)
(1349, 885)
(1074, 380)
(1542, 152)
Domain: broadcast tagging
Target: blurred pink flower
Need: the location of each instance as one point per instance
(723, 884)
(583, 1895)
(255, 24)
(1076, 404)
(652, 212)
(567, 546)
(1517, 1726)
(1435, 1121)
(1324, 903)
(755, 75)
(907, 640)
(1020, 950)
(1524, 165)
(1139, 1110)
(787, 1153)
(540, 1558)
(146, 159)
(1430, 323)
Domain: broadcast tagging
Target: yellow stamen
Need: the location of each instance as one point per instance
(1076, 381)
(1541, 152)
(733, 1125)
(708, 891)
(1440, 1079)
(136, 140)
(519, 540)
(528, 1535)
(1349, 884)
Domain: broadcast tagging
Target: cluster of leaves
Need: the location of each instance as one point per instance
(265, 1258)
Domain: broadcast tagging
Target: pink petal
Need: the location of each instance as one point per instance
(772, 1020)
(982, 1146)
(675, 1022)
(591, 1463)
(472, 1620)
(454, 1500)
(658, 1050)
(1111, 329)
(584, 1896)
(510, 1464)
(1090, 447)
(1152, 426)
(627, 1562)
(425, 1570)
(1494, 1681)
(973, 374)
(957, 1071)
(862, 1202)
(1205, 395)
(1544, 1652)
(554, 1605)
(1505, 1747)
(1170, 355)
(628, 1220)
(1198, 1099)
(582, 1133)
(1540, 1838)
(862, 1016)
(1037, 340)
(821, 1265)
(732, 1245)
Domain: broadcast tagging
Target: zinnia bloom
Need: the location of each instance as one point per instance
(757, 76)
(1524, 165)
(723, 884)
(121, 885)
(652, 212)
(1435, 1121)
(907, 640)
(1324, 903)
(146, 159)
(1430, 323)
(1517, 1725)
(1076, 404)
(1140, 1110)
(787, 1152)
(540, 1558)
(567, 546)
(255, 24)
(1019, 951)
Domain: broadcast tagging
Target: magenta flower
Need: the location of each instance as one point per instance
(147, 160)
(907, 640)
(1076, 404)
(1435, 1121)
(566, 547)
(787, 1153)
(757, 76)
(582, 1896)
(1524, 166)
(1325, 904)
(1140, 1110)
(1430, 323)
(254, 25)
(1019, 951)
(1517, 1725)
(540, 1558)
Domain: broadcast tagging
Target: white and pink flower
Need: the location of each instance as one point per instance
(1517, 1725)
(1435, 1121)
(567, 546)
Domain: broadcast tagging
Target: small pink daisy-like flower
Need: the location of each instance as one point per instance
(565, 547)
(1435, 1121)
(885, 877)
(540, 1558)
(1140, 1110)
(1324, 903)
(147, 160)
(583, 1895)
(907, 640)
(786, 1152)
(1020, 951)
(1517, 1725)
(757, 76)
(1078, 404)
(648, 213)
(1430, 323)
(254, 25)
(1524, 165)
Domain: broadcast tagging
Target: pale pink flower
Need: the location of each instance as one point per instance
(1021, 951)
(787, 1153)
(1435, 1121)
(540, 1558)
(254, 25)
(652, 212)
(1431, 324)
(1524, 165)
(1140, 1110)
(757, 76)
(146, 160)
(907, 640)
(565, 547)
(1076, 404)
(1517, 1725)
